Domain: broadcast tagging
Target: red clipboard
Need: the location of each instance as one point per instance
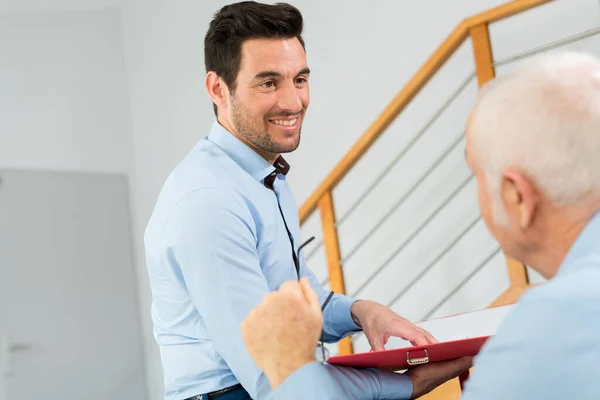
(460, 335)
(406, 357)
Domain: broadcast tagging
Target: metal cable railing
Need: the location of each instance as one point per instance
(437, 259)
(360, 200)
(479, 267)
(407, 194)
(395, 161)
(416, 184)
(416, 232)
(550, 46)
(493, 253)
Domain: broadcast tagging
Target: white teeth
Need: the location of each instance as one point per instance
(286, 122)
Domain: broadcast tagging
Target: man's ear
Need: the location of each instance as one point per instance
(216, 88)
(520, 197)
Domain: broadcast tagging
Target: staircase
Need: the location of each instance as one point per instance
(434, 234)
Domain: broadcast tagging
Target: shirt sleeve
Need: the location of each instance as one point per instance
(540, 352)
(211, 238)
(327, 382)
(337, 319)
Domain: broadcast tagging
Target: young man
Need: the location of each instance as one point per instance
(533, 142)
(225, 231)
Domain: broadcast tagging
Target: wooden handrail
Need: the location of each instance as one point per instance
(504, 11)
(420, 79)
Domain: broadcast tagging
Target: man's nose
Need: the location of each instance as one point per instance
(290, 100)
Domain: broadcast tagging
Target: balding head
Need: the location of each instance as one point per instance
(533, 140)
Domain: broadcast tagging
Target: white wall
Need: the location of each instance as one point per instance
(63, 103)
(361, 56)
(63, 94)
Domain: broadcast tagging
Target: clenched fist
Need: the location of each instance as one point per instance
(281, 334)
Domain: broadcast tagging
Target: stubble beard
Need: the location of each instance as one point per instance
(257, 134)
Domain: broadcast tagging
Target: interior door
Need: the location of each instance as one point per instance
(69, 322)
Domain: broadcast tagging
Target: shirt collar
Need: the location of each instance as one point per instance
(252, 162)
(588, 242)
(280, 167)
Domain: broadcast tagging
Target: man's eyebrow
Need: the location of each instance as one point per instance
(273, 74)
(304, 71)
(267, 74)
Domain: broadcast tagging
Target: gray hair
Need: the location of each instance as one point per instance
(543, 120)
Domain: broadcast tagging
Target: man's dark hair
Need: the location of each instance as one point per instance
(238, 22)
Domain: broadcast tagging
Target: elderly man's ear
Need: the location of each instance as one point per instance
(520, 198)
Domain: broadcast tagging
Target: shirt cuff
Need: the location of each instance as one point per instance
(314, 380)
(343, 316)
(395, 385)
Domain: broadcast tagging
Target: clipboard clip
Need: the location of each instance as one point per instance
(418, 360)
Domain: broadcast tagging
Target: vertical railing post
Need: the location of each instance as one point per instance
(482, 51)
(484, 67)
(332, 251)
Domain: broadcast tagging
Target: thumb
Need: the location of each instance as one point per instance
(310, 295)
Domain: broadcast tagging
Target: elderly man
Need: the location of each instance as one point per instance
(533, 143)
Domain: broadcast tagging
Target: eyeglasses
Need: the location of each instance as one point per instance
(321, 350)
(296, 257)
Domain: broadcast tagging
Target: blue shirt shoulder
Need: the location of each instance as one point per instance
(548, 347)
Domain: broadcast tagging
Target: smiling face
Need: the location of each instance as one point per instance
(271, 96)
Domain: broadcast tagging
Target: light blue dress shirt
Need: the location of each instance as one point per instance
(216, 244)
(549, 346)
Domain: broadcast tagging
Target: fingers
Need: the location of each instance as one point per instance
(417, 337)
(420, 337)
(408, 331)
(451, 369)
(302, 292)
(464, 363)
(310, 295)
(430, 338)
(293, 288)
(377, 344)
(427, 377)
(419, 340)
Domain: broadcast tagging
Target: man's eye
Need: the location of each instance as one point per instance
(300, 81)
(268, 84)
